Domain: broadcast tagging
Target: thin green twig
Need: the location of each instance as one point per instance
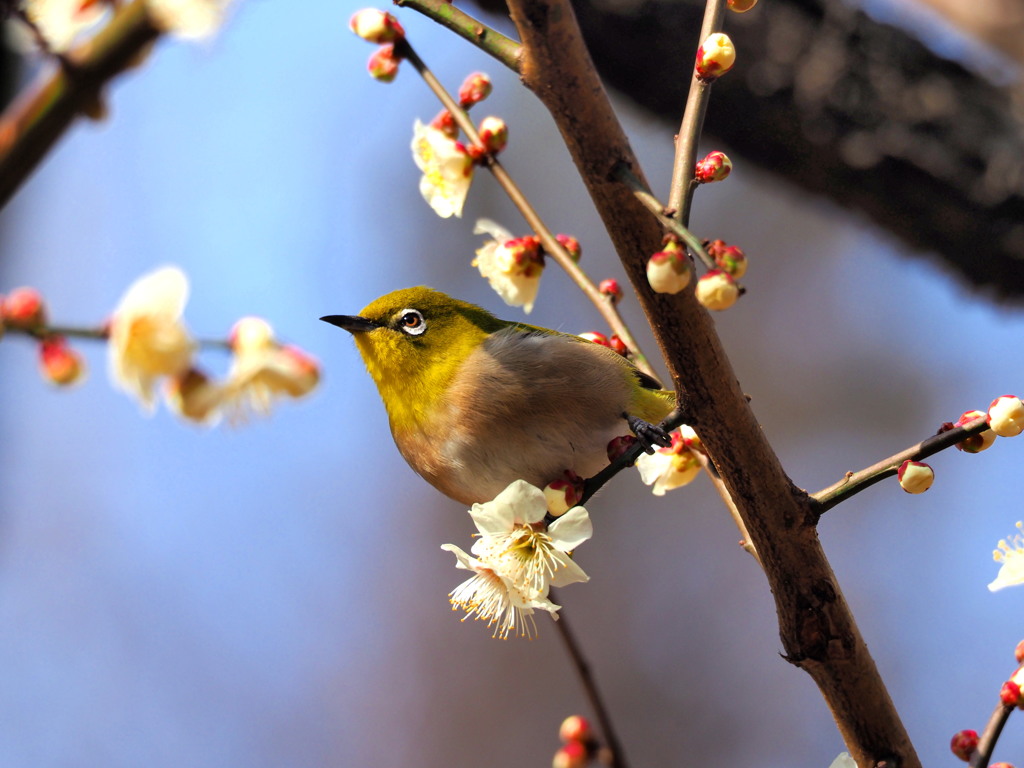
(504, 49)
(680, 196)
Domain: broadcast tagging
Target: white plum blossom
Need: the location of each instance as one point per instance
(1011, 555)
(147, 337)
(188, 19)
(673, 467)
(518, 558)
(447, 169)
(513, 266)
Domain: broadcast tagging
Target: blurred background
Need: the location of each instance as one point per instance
(275, 594)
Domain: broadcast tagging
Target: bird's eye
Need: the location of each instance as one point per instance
(411, 322)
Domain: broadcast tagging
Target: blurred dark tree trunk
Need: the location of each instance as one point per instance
(841, 105)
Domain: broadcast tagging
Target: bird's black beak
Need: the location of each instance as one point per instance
(351, 323)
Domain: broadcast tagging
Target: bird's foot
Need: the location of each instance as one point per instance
(649, 435)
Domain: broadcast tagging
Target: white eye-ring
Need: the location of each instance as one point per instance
(411, 322)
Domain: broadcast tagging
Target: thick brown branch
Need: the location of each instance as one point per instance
(817, 628)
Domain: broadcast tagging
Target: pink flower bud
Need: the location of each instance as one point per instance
(1009, 694)
(59, 363)
(618, 345)
(1006, 416)
(572, 755)
(915, 476)
(376, 26)
(383, 64)
(619, 445)
(597, 338)
(563, 494)
(975, 443)
(717, 290)
(728, 258)
(571, 245)
(741, 6)
(714, 167)
(715, 57)
(1018, 652)
(493, 134)
(1000, 765)
(24, 308)
(669, 271)
(445, 123)
(474, 89)
(963, 744)
(575, 728)
(611, 288)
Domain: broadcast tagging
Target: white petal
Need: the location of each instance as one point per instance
(495, 230)
(463, 560)
(161, 292)
(571, 529)
(843, 760)
(569, 573)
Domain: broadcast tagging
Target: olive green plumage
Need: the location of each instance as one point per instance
(476, 402)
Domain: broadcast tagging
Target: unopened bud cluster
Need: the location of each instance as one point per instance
(670, 271)
(579, 747)
(613, 343)
(964, 744)
(383, 29)
(24, 310)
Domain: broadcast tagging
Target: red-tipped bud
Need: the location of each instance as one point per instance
(974, 443)
(618, 345)
(563, 494)
(612, 289)
(1000, 765)
(383, 64)
(728, 258)
(59, 363)
(963, 744)
(1006, 416)
(619, 445)
(596, 337)
(915, 476)
(741, 6)
(493, 134)
(714, 167)
(575, 728)
(717, 290)
(24, 308)
(715, 57)
(1018, 652)
(669, 271)
(1009, 694)
(474, 89)
(376, 26)
(575, 754)
(571, 245)
(445, 123)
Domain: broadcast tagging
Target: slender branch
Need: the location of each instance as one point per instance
(605, 305)
(989, 737)
(855, 482)
(582, 667)
(41, 332)
(35, 121)
(817, 628)
(504, 49)
(680, 196)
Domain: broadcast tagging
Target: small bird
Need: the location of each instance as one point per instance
(476, 402)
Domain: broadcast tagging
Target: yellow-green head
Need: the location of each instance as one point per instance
(413, 341)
